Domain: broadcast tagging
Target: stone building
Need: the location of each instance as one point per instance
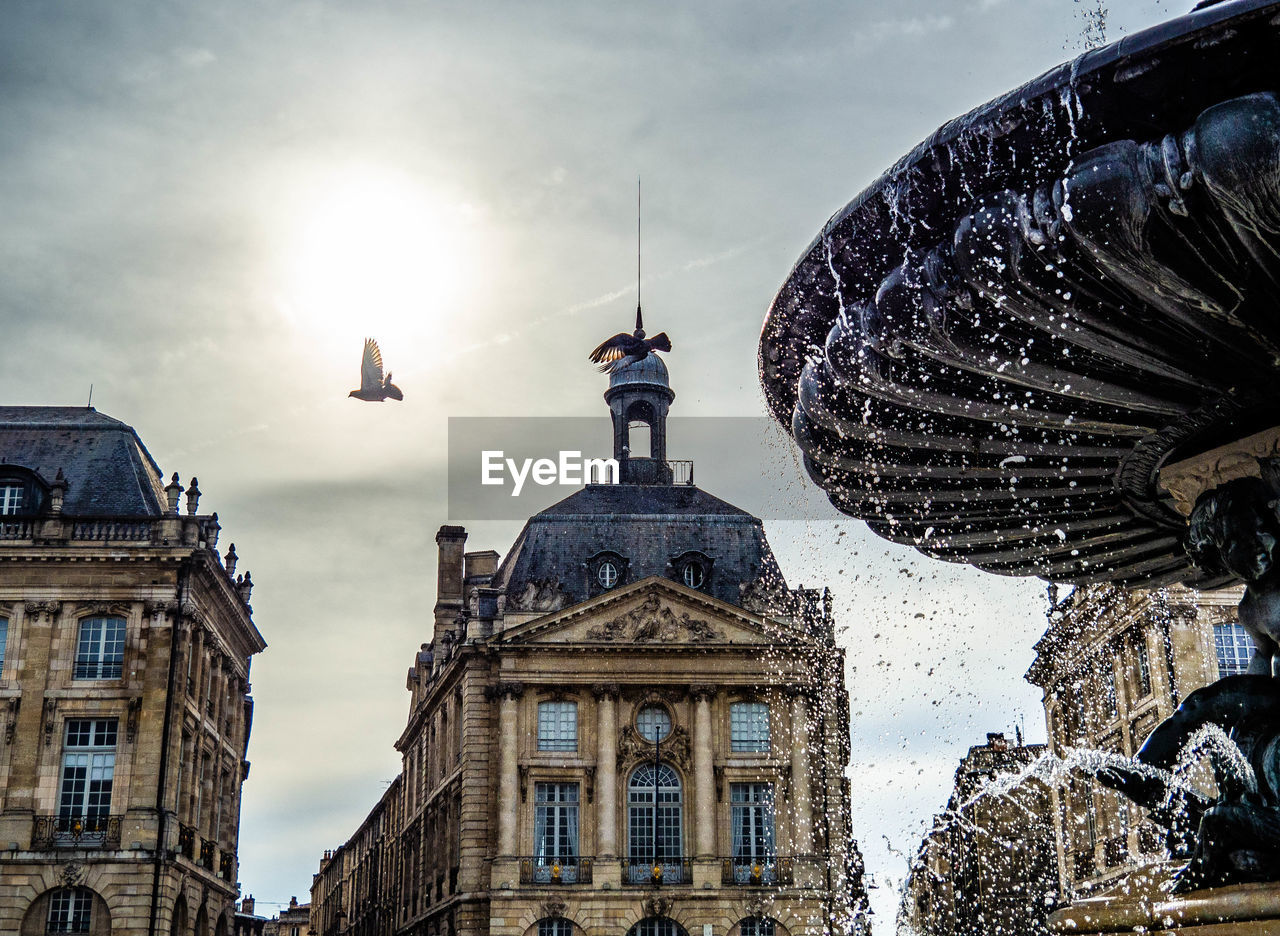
(989, 865)
(628, 724)
(293, 920)
(1113, 664)
(248, 923)
(124, 686)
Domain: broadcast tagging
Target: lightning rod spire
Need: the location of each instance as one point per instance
(639, 315)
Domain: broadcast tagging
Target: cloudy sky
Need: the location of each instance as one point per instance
(208, 206)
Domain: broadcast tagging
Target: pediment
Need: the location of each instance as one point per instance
(652, 612)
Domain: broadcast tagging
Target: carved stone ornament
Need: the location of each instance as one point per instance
(656, 906)
(508, 690)
(42, 607)
(11, 723)
(542, 596)
(698, 693)
(606, 690)
(650, 621)
(633, 748)
(759, 907)
(554, 908)
(159, 606)
(71, 874)
(1186, 480)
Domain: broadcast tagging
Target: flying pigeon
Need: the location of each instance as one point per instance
(374, 388)
(622, 350)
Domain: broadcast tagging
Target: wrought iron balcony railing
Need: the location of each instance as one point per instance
(756, 872)
(187, 841)
(678, 870)
(98, 669)
(541, 870)
(75, 832)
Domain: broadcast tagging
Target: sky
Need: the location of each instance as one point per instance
(208, 206)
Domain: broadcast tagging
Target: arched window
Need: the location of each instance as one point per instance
(657, 926)
(100, 648)
(70, 910)
(754, 926)
(654, 825)
(555, 926)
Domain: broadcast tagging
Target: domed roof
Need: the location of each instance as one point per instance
(651, 370)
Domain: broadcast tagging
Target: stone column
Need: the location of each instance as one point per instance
(606, 770)
(508, 783)
(704, 799)
(801, 802)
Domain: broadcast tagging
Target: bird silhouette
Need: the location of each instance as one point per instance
(623, 350)
(374, 388)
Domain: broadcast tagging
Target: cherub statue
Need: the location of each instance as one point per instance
(1236, 528)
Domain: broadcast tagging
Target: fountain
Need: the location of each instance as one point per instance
(1045, 343)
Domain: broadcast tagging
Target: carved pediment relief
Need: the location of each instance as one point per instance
(652, 621)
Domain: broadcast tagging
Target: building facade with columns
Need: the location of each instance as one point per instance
(628, 724)
(124, 684)
(1114, 663)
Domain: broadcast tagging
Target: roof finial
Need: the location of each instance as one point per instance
(639, 333)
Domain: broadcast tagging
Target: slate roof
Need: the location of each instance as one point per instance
(109, 471)
(648, 525)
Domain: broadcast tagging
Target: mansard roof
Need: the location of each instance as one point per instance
(648, 527)
(109, 471)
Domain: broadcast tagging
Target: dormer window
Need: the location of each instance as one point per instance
(11, 497)
(692, 568)
(605, 571)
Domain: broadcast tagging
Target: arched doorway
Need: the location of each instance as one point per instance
(657, 926)
(655, 826)
(67, 910)
(178, 926)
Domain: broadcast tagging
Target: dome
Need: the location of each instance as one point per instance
(651, 370)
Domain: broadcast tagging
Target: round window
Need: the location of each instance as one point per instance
(653, 723)
(693, 574)
(607, 574)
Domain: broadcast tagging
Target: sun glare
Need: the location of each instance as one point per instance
(373, 254)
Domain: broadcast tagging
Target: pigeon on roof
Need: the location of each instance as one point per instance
(374, 388)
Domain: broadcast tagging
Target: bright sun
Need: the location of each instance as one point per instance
(373, 254)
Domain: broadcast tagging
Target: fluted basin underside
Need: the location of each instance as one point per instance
(990, 353)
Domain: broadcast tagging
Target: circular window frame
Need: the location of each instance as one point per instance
(603, 571)
(653, 705)
(693, 568)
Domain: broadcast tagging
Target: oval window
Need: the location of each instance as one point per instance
(607, 574)
(693, 574)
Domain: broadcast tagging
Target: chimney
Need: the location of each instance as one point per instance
(480, 564)
(996, 741)
(246, 906)
(452, 541)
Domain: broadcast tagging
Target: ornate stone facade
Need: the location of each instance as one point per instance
(1113, 664)
(124, 687)
(989, 862)
(593, 743)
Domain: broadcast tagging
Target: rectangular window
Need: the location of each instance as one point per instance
(557, 726)
(4, 641)
(100, 649)
(1234, 648)
(1144, 669)
(754, 857)
(69, 911)
(555, 831)
(749, 726)
(10, 498)
(88, 771)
